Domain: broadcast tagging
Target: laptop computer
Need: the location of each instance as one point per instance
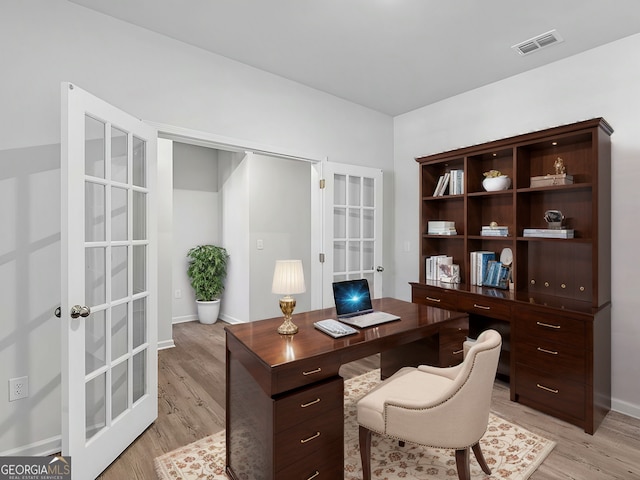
(353, 304)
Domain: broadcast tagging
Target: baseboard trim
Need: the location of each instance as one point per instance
(230, 320)
(41, 448)
(184, 318)
(625, 408)
(163, 345)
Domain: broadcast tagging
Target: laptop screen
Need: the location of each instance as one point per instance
(352, 296)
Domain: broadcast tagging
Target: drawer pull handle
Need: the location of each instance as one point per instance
(458, 352)
(481, 306)
(310, 438)
(311, 372)
(431, 299)
(548, 325)
(314, 475)
(544, 350)
(552, 390)
(313, 402)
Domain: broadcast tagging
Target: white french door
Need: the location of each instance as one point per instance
(352, 227)
(109, 280)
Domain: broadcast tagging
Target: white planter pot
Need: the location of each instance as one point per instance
(494, 184)
(208, 311)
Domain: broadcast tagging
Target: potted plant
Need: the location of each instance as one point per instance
(207, 272)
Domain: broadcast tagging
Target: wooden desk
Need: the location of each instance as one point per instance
(285, 398)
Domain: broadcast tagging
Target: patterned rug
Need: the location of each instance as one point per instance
(511, 452)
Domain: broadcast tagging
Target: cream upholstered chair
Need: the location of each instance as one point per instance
(435, 407)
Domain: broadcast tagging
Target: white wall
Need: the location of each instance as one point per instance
(46, 42)
(599, 83)
(197, 213)
(280, 210)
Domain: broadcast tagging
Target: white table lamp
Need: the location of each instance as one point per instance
(288, 279)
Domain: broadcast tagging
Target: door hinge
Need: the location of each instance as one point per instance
(321, 257)
(322, 183)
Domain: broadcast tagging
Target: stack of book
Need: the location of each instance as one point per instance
(479, 265)
(495, 231)
(441, 227)
(442, 268)
(549, 232)
(453, 181)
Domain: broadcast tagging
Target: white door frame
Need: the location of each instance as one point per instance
(210, 140)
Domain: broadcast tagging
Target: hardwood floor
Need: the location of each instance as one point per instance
(191, 403)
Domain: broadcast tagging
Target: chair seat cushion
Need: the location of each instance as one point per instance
(414, 387)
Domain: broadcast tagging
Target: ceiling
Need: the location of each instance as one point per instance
(389, 55)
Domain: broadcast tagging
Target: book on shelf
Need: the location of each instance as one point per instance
(441, 227)
(479, 261)
(496, 231)
(549, 232)
(456, 182)
(441, 186)
(432, 266)
(496, 275)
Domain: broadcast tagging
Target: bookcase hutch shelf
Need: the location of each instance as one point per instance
(556, 318)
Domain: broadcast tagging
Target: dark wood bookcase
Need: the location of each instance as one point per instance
(555, 320)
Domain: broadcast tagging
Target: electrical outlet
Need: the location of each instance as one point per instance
(178, 293)
(18, 388)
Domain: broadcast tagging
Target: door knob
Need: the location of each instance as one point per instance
(380, 269)
(80, 311)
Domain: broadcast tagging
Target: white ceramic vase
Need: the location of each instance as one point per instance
(208, 311)
(494, 184)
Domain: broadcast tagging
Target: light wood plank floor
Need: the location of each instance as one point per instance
(191, 405)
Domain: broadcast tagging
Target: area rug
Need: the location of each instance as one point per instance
(511, 452)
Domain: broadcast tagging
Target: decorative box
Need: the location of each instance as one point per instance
(550, 180)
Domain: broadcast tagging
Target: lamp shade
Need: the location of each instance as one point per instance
(288, 277)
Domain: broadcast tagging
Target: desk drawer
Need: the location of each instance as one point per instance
(434, 297)
(298, 374)
(317, 466)
(551, 328)
(307, 402)
(549, 392)
(315, 436)
(565, 362)
(483, 305)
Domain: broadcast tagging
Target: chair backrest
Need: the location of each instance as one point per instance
(468, 405)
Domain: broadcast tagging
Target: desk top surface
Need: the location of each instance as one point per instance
(263, 341)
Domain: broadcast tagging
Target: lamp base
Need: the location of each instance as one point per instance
(287, 305)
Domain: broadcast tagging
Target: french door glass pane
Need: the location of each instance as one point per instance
(94, 144)
(354, 191)
(119, 214)
(95, 275)
(139, 162)
(139, 216)
(354, 256)
(119, 170)
(95, 340)
(96, 405)
(367, 255)
(340, 256)
(119, 330)
(139, 375)
(139, 268)
(94, 217)
(354, 223)
(119, 386)
(340, 189)
(368, 192)
(139, 322)
(119, 273)
(340, 222)
(368, 223)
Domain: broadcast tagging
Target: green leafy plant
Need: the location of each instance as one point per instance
(493, 174)
(207, 271)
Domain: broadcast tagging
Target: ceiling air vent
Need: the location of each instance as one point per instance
(536, 43)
